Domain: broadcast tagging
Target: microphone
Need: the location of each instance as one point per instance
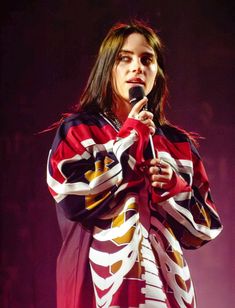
(136, 94)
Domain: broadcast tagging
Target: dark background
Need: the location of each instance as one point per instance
(47, 49)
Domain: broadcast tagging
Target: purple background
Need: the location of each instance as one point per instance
(47, 49)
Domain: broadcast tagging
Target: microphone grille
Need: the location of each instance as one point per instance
(136, 94)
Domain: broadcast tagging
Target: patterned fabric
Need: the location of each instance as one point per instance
(122, 239)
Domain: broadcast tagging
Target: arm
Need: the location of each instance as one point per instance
(85, 167)
(188, 205)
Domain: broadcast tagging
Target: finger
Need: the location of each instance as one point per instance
(152, 130)
(158, 185)
(137, 107)
(159, 162)
(157, 169)
(153, 170)
(163, 178)
(160, 174)
(143, 115)
(148, 122)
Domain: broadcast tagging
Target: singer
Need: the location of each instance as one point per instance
(130, 188)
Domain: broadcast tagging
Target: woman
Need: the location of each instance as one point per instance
(124, 214)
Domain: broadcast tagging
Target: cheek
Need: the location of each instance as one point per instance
(154, 71)
(117, 78)
(152, 78)
(153, 74)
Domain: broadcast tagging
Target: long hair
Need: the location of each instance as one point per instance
(98, 92)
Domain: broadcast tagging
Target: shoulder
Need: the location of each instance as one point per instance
(174, 133)
(83, 117)
(81, 120)
(177, 134)
(78, 126)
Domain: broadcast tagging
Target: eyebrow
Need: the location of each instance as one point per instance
(144, 53)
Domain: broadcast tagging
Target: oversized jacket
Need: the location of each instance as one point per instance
(122, 239)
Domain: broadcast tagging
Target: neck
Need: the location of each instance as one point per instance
(121, 109)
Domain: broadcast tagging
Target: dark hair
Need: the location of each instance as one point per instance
(98, 92)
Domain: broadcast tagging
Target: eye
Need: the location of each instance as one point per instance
(147, 60)
(124, 58)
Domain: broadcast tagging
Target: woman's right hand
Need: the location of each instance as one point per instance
(144, 116)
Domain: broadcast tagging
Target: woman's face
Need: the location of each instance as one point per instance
(136, 65)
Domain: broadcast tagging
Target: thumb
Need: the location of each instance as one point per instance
(138, 107)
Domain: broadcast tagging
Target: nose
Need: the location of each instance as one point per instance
(137, 65)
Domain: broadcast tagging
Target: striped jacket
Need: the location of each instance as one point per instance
(122, 239)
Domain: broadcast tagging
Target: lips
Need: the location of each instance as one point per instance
(136, 80)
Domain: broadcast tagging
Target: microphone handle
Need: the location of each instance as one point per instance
(150, 139)
(152, 146)
(135, 94)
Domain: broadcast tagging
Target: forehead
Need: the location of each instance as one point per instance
(137, 42)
